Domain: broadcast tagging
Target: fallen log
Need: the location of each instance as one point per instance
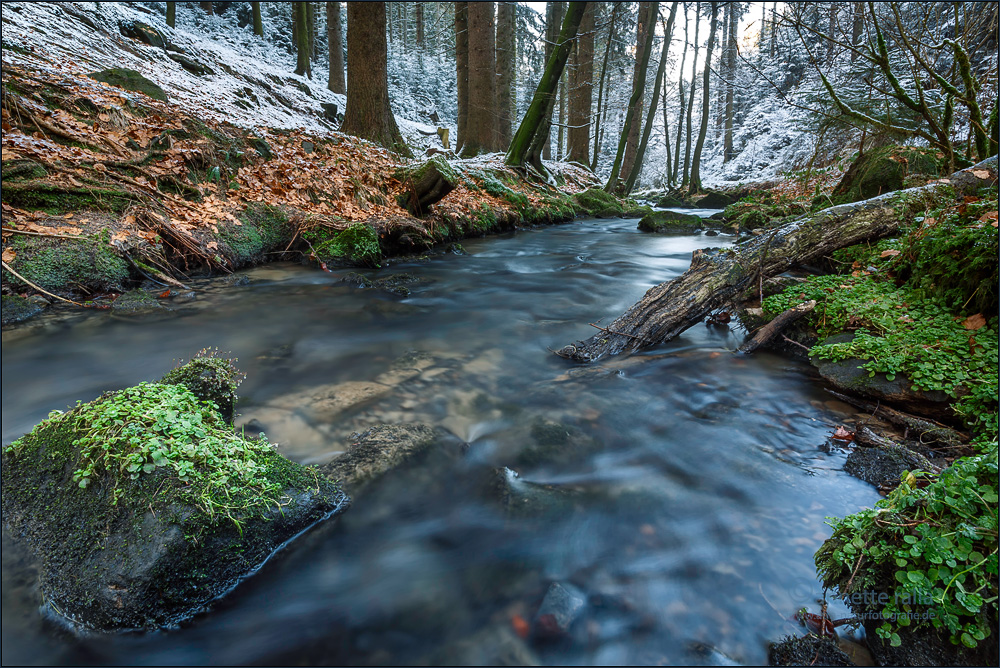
(719, 276)
(924, 430)
(776, 326)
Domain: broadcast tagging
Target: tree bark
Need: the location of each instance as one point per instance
(172, 14)
(480, 125)
(582, 89)
(727, 151)
(426, 185)
(532, 133)
(633, 175)
(207, 7)
(258, 21)
(554, 12)
(695, 184)
(628, 145)
(368, 114)
(600, 88)
(311, 31)
(686, 175)
(505, 61)
(418, 19)
(776, 326)
(857, 27)
(462, 70)
(720, 276)
(302, 64)
(680, 91)
(335, 42)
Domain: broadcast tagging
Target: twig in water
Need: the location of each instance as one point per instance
(27, 282)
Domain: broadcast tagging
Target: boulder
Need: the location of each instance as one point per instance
(262, 147)
(885, 169)
(670, 222)
(715, 200)
(136, 302)
(143, 32)
(130, 80)
(561, 606)
(596, 202)
(883, 465)
(190, 64)
(143, 525)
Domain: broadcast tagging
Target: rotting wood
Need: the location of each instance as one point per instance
(428, 185)
(718, 276)
(925, 430)
(776, 326)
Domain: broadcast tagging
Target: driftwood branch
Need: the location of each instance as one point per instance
(718, 276)
(776, 326)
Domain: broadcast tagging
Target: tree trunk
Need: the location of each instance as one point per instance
(582, 89)
(720, 276)
(628, 144)
(480, 125)
(368, 114)
(526, 147)
(462, 70)
(633, 175)
(727, 151)
(719, 107)
(172, 14)
(506, 59)
(418, 18)
(335, 42)
(562, 114)
(600, 88)
(832, 30)
(426, 185)
(207, 7)
(668, 168)
(302, 64)
(554, 12)
(857, 27)
(774, 29)
(686, 175)
(680, 96)
(258, 21)
(311, 31)
(695, 184)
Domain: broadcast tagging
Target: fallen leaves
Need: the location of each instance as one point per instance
(842, 434)
(891, 252)
(974, 322)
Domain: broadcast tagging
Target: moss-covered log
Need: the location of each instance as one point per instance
(718, 276)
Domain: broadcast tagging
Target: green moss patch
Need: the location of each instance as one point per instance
(597, 202)
(130, 80)
(16, 308)
(263, 229)
(61, 265)
(57, 200)
(356, 245)
(885, 169)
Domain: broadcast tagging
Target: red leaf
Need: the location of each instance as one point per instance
(165, 294)
(841, 434)
(520, 626)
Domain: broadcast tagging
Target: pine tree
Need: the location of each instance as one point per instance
(695, 185)
(506, 76)
(480, 126)
(302, 64)
(335, 43)
(581, 89)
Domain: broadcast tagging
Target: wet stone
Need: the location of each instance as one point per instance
(562, 605)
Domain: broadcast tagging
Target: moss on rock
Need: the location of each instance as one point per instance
(130, 80)
(56, 200)
(263, 229)
(356, 245)
(16, 308)
(143, 506)
(670, 222)
(597, 202)
(885, 169)
(135, 302)
(57, 264)
(210, 377)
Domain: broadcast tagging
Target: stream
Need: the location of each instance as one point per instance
(688, 485)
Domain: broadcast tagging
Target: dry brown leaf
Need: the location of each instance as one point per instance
(9, 255)
(981, 173)
(891, 252)
(974, 322)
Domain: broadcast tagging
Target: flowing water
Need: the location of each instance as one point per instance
(686, 487)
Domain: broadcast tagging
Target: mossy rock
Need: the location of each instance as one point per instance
(373, 453)
(263, 229)
(670, 222)
(752, 220)
(60, 265)
(136, 302)
(638, 212)
(57, 200)
(141, 526)
(596, 202)
(16, 308)
(143, 32)
(671, 202)
(882, 466)
(885, 169)
(715, 200)
(358, 245)
(130, 80)
(394, 283)
(210, 378)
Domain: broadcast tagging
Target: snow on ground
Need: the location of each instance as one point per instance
(252, 84)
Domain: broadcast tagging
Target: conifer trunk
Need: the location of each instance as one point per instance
(554, 12)
(335, 43)
(462, 70)
(686, 176)
(207, 8)
(680, 91)
(505, 60)
(598, 122)
(302, 64)
(582, 89)
(727, 151)
(258, 21)
(695, 185)
(481, 136)
(368, 114)
(171, 14)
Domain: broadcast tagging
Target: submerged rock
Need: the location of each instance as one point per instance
(883, 465)
(381, 448)
(17, 309)
(561, 606)
(136, 302)
(144, 505)
(491, 646)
